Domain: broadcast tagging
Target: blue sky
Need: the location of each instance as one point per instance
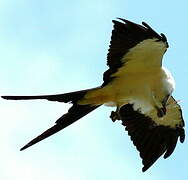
(49, 47)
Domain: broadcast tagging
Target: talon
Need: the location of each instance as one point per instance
(114, 116)
(161, 112)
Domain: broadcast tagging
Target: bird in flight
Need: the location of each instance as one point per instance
(138, 85)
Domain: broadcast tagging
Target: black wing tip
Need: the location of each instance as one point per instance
(146, 25)
(124, 20)
(161, 36)
(144, 169)
(131, 22)
(182, 135)
(147, 166)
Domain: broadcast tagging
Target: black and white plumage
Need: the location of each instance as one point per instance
(140, 88)
(151, 135)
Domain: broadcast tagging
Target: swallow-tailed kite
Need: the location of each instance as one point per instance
(138, 85)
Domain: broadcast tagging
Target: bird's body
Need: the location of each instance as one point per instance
(137, 81)
(142, 89)
(138, 85)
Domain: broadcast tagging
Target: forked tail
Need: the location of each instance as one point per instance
(74, 113)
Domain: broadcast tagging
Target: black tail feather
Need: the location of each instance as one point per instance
(66, 97)
(44, 135)
(75, 112)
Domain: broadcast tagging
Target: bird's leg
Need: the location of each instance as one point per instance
(160, 111)
(115, 115)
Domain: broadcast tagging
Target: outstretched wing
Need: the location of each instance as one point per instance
(133, 45)
(154, 136)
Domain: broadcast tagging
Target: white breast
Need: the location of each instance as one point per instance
(138, 87)
(168, 80)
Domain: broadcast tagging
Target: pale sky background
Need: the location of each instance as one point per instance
(59, 46)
